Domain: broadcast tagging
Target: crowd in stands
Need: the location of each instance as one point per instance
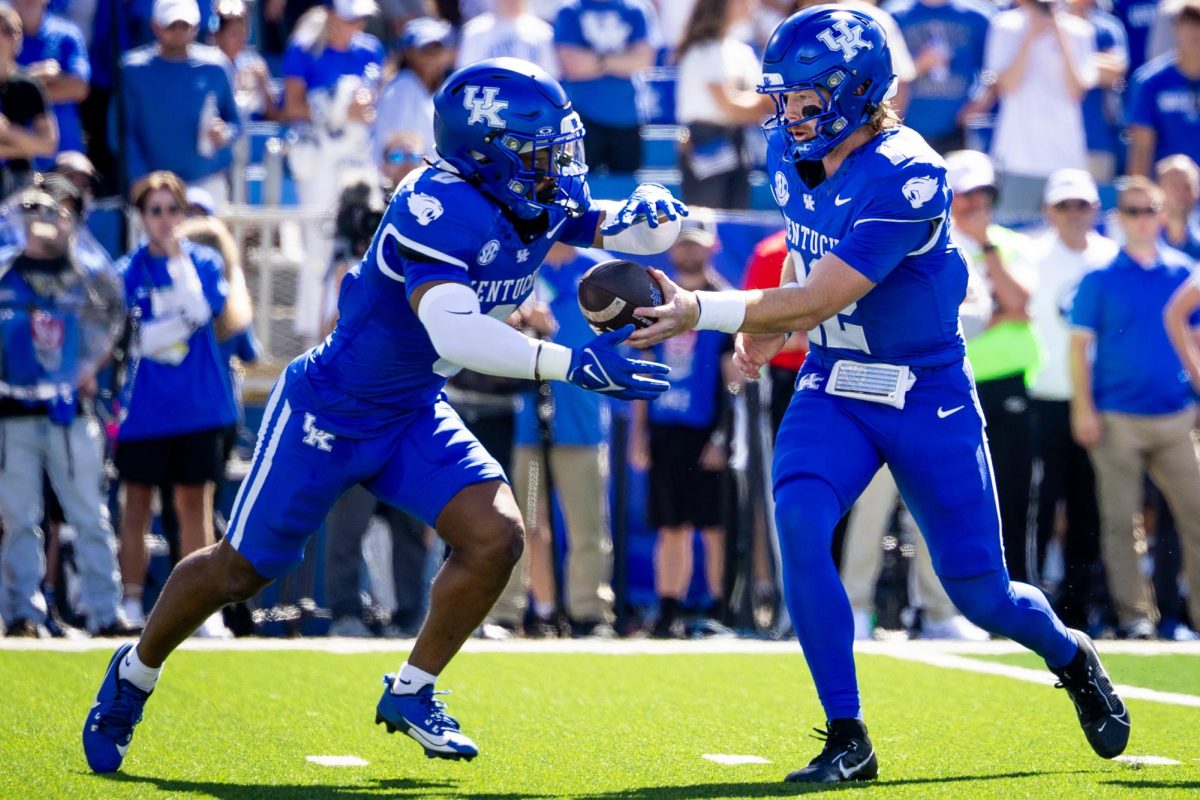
(1071, 132)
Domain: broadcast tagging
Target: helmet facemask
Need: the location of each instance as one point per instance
(846, 105)
(548, 170)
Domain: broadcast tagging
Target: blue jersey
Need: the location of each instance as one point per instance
(885, 212)
(379, 365)
(605, 27)
(693, 400)
(61, 40)
(1166, 100)
(1102, 112)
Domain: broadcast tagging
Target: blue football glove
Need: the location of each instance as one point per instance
(648, 201)
(599, 367)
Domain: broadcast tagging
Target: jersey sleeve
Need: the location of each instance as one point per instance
(1085, 308)
(567, 29)
(296, 62)
(1141, 107)
(210, 267)
(903, 216)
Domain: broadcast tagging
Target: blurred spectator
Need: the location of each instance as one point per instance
(510, 30)
(27, 128)
(1041, 61)
(947, 38)
(78, 169)
(601, 43)
(862, 561)
(1179, 178)
(1060, 258)
(1133, 407)
(61, 316)
(1000, 342)
(1137, 17)
(1103, 115)
(331, 73)
(1164, 111)
(571, 426)
(179, 401)
(200, 204)
(403, 153)
(681, 439)
(673, 18)
(406, 102)
(253, 92)
(193, 81)
(52, 51)
(715, 100)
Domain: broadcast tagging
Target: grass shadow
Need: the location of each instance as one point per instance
(372, 789)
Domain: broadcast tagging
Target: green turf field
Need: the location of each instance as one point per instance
(240, 724)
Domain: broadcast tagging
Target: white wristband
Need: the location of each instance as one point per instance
(791, 285)
(721, 311)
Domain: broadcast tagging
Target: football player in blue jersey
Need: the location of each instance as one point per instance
(873, 278)
(454, 255)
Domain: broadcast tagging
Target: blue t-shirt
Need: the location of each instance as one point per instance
(1167, 101)
(1137, 17)
(1190, 246)
(39, 345)
(1135, 370)
(321, 72)
(379, 364)
(885, 212)
(1102, 111)
(195, 394)
(61, 40)
(959, 26)
(580, 417)
(164, 101)
(604, 27)
(693, 400)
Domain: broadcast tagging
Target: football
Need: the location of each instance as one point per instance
(610, 291)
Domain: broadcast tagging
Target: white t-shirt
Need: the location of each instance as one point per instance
(1040, 125)
(1058, 273)
(728, 62)
(404, 105)
(526, 37)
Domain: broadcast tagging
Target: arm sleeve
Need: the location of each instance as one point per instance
(1141, 107)
(210, 267)
(1085, 308)
(295, 63)
(75, 58)
(135, 157)
(226, 105)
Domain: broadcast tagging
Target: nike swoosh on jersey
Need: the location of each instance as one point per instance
(841, 201)
(550, 233)
(943, 413)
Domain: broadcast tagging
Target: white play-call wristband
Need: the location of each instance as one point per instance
(721, 311)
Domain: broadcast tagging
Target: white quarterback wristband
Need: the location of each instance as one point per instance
(721, 311)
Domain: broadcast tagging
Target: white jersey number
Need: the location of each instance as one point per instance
(837, 331)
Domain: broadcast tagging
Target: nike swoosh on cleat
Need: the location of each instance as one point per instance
(852, 771)
(440, 743)
(122, 749)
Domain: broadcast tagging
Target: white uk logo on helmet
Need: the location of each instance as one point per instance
(484, 110)
(849, 39)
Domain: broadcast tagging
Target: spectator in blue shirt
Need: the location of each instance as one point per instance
(1164, 115)
(1103, 116)
(946, 38)
(573, 436)
(178, 398)
(1179, 178)
(252, 88)
(177, 96)
(53, 52)
(1137, 17)
(601, 44)
(1133, 407)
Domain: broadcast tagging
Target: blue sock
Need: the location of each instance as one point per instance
(806, 511)
(1016, 610)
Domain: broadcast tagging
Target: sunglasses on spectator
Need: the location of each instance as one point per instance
(1139, 211)
(1072, 205)
(161, 211)
(404, 157)
(44, 212)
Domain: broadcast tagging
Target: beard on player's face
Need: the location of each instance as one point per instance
(802, 104)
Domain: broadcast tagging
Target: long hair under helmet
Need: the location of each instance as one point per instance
(843, 56)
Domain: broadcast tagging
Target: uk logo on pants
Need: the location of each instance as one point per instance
(315, 437)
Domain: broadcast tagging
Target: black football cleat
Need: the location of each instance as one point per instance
(1102, 714)
(848, 755)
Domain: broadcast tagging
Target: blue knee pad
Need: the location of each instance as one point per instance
(1015, 610)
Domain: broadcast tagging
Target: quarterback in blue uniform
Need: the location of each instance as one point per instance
(872, 276)
(454, 255)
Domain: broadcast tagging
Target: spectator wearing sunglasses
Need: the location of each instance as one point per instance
(178, 397)
(1060, 257)
(403, 152)
(27, 126)
(1179, 178)
(1133, 407)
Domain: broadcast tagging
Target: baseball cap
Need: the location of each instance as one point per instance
(424, 31)
(968, 170)
(169, 11)
(1070, 184)
(355, 9)
(701, 233)
(202, 199)
(71, 161)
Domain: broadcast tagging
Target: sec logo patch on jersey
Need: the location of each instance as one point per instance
(488, 253)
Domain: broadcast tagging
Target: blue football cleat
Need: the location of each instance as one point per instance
(423, 717)
(109, 725)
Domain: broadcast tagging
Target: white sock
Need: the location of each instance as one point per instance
(543, 610)
(411, 680)
(133, 670)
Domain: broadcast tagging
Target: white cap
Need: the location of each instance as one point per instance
(167, 12)
(354, 9)
(1070, 184)
(968, 170)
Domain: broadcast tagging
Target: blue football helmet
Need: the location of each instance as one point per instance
(509, 128)
(840, 53)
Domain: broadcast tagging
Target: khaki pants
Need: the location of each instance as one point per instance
(862, 556)
(580, 477)
(1161, 445)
